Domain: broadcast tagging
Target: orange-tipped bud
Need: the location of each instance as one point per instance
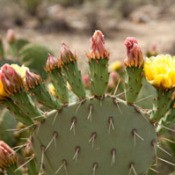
(11, 37)
(98, 50)
(52, 63)
(66, 55)
(11, 81)
(7, 156)
(134, 53)
(32, 80)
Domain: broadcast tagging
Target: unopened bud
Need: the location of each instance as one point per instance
(98, 50)
(32, 80)
(134, 53)
(66, 54)
(7, 155)
(52, 63)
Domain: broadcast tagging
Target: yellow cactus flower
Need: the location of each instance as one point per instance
(51, 89)
(21, 70)
(2, 91)
(160, 71)
(115, 66)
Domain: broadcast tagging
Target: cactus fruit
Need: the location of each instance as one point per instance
(96, 134)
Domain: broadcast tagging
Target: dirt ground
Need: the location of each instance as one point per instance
(146, 24)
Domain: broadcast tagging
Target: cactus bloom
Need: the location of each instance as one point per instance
(3, 94)
(160, 71)
(7, 156)
(115, 66)
(21, 70)
(98, 50)
(51, 89)
(134, 53)
(66, 55)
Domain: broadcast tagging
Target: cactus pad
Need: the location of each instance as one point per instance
(95, 137)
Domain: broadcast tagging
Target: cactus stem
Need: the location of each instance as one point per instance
(111, 124)
(116, 102)
(73, 123)
(113, 153)
(55, 135)
(63, 165)
(95, 166)
(163, 150)
(42, 160)
(90, 112)
(132, 169)
(166, 161)
(77, 151)
(92, 138)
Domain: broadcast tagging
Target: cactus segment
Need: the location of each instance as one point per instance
(73, 76)
(19, 114)
(16, 46)
(162, 104)
(101, 137)
(60, 84)
(99, 76)
(133, 83)
(44, 97)
(34, 56)
(26, 105)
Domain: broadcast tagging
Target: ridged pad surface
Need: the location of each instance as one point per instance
(96, 137)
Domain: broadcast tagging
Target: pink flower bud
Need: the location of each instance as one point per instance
(7, 156)
(51, 63)
(98, 50)
(32, 80)
(134, 53)
(66, 55)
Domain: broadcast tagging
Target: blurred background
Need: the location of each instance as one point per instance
(51, 22)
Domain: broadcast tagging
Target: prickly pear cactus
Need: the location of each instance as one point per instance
(96, 134)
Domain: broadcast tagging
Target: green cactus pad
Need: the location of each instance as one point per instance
(60, 84)
(96, 137)
(133, 83)
(99, 76)
(34, 56)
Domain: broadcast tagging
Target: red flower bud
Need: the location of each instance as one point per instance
(134, 53)
(32, 80)
(7, 156)
(66, 55)
(98, 50)
(52, 63)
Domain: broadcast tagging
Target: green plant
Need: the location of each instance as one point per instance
(97, 134)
